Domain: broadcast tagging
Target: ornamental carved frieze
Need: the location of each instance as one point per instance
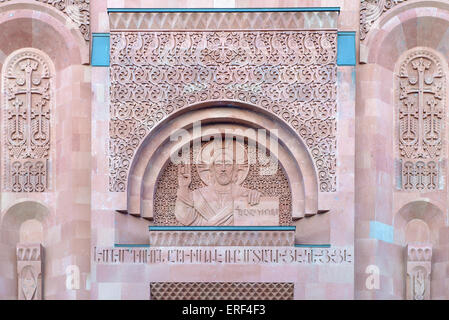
(292, 74)
(77, 11)
(421, 104)
(371, 11)
(222, 290)
(26, 113)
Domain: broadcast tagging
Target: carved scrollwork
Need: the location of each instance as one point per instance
(421, 113)
(371, 11)
(27, 105)
(292, 74)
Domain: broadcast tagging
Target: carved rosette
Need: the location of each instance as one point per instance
(77, 11)
(421, 103)
(29, 270)
(27, 105)
(292, 74)
(419, 257)
(371, 11)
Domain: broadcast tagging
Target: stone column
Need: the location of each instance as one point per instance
(29, 271)
(419, 257)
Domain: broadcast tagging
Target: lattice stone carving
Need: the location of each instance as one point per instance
(421, 104)
(371, 11)
(419, 262)
(222, 238)
(27, 105)
(290, 73)
(222, 290)
(78, 11)
(29, 270)
(274, 185)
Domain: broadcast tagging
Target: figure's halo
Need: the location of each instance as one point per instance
(208, 153)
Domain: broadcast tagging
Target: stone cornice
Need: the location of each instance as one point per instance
(224, 21)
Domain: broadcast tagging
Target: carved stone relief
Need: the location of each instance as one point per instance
(419, 257)
(78, 11)
(221, 290)
(181, 238)
(29, 270)
(421, 103)
(289, 73)
(185, 194)
(27, 104)
(371, 11)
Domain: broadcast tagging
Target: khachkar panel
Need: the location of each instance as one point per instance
(419, 263)
(221, 290)
(77, 11)
(421, 115)
(290, 73)
(224, 185)
(29, 270)
(27, 105)
(371, 11)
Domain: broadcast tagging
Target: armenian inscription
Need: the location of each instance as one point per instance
(223, 255)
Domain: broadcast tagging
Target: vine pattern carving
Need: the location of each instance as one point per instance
(290, 73)
(371, 11)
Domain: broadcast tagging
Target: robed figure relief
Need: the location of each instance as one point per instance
(222, 168)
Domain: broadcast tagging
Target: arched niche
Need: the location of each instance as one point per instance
(156, 148)
(417, 231)
(23, 217)
(405, 26)
(420, 216)
(41, 26)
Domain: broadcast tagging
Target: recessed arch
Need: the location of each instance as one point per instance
(399, 30)
(152, 154)
(43, 27)
(17, 214)
(428, 212)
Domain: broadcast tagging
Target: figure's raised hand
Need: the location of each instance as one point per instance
(254, 197)
(184, 175)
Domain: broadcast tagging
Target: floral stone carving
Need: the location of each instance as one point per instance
(292, 74)
(371, 11)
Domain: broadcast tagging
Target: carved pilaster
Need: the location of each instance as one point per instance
(419, 257)
(29, 271)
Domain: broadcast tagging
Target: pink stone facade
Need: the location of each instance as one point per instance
(354, 222)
